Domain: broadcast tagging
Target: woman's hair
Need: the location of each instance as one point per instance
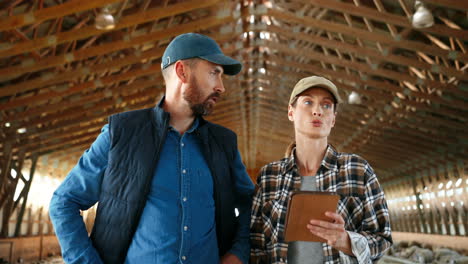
(289, 149)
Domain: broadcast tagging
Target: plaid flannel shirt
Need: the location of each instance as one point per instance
(362, 205)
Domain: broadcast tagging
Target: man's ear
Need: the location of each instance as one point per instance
(290, 113)
(181, 71)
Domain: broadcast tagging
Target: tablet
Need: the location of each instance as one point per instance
(304, 206)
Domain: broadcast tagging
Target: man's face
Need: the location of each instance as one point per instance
(204, 88)
(313, 114)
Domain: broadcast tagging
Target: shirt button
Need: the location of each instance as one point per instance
(184, 258)
(184, 171)
(184, 199)
(185, 228)
(182, 144)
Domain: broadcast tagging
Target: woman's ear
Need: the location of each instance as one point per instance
(334, 119)
(290, 113)
(181, 71)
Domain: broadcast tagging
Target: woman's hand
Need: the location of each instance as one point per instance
(333, 232)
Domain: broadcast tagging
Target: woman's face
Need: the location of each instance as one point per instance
(313, 113)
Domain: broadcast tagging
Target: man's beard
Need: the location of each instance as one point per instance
(194, 98)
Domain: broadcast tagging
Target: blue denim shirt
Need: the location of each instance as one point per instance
(177, 224)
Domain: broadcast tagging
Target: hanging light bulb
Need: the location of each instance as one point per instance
(105, 20)
(423, 17)
(354, 98)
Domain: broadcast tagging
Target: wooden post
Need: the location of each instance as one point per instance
(419, 204)
(40, 223)
(30, 222)
(5, 168)
(27, 187)
(9, 192)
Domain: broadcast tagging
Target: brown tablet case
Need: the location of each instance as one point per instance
(304, 206)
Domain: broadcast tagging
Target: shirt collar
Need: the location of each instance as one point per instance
(194, 125)
(291, 161)
(330, 159)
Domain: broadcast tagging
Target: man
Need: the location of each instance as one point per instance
(359, 232)
(167, 181)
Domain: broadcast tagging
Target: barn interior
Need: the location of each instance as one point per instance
(401, 67)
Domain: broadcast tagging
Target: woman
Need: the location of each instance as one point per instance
(359, 232)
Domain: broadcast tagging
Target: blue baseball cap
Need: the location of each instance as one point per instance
(193, 45)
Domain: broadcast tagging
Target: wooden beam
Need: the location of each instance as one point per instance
(50, 79)
(371, 13)
(151, 70)
(27, 187)
(61, 10)
(356, 50)
(364, 68)
(74, 113)
(118, 63)
(126, 43)
(456, 4)
(89, 31)
(5, 172)
(57, 110)
(364, 34)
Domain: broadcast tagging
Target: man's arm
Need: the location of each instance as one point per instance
(244, 191)
(79, 191)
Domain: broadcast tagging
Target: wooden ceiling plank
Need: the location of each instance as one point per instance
(379, 72)
(50, 79)
(397, 137)
(358, 40)
(405, 8)
(77, 112)
(46, 63)
(350, 49)
(21, 35)
(81, 87)
(456, 4)
(381, 8)
(78, 33)
(43, 146)
(65, 131)
(388, 18)
(399, 149)
(372, 36)
(437, 41)
(67, 8)
(46, 130)
(31, 113)
(63, 137)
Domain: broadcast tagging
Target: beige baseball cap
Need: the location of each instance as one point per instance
(315, 81)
